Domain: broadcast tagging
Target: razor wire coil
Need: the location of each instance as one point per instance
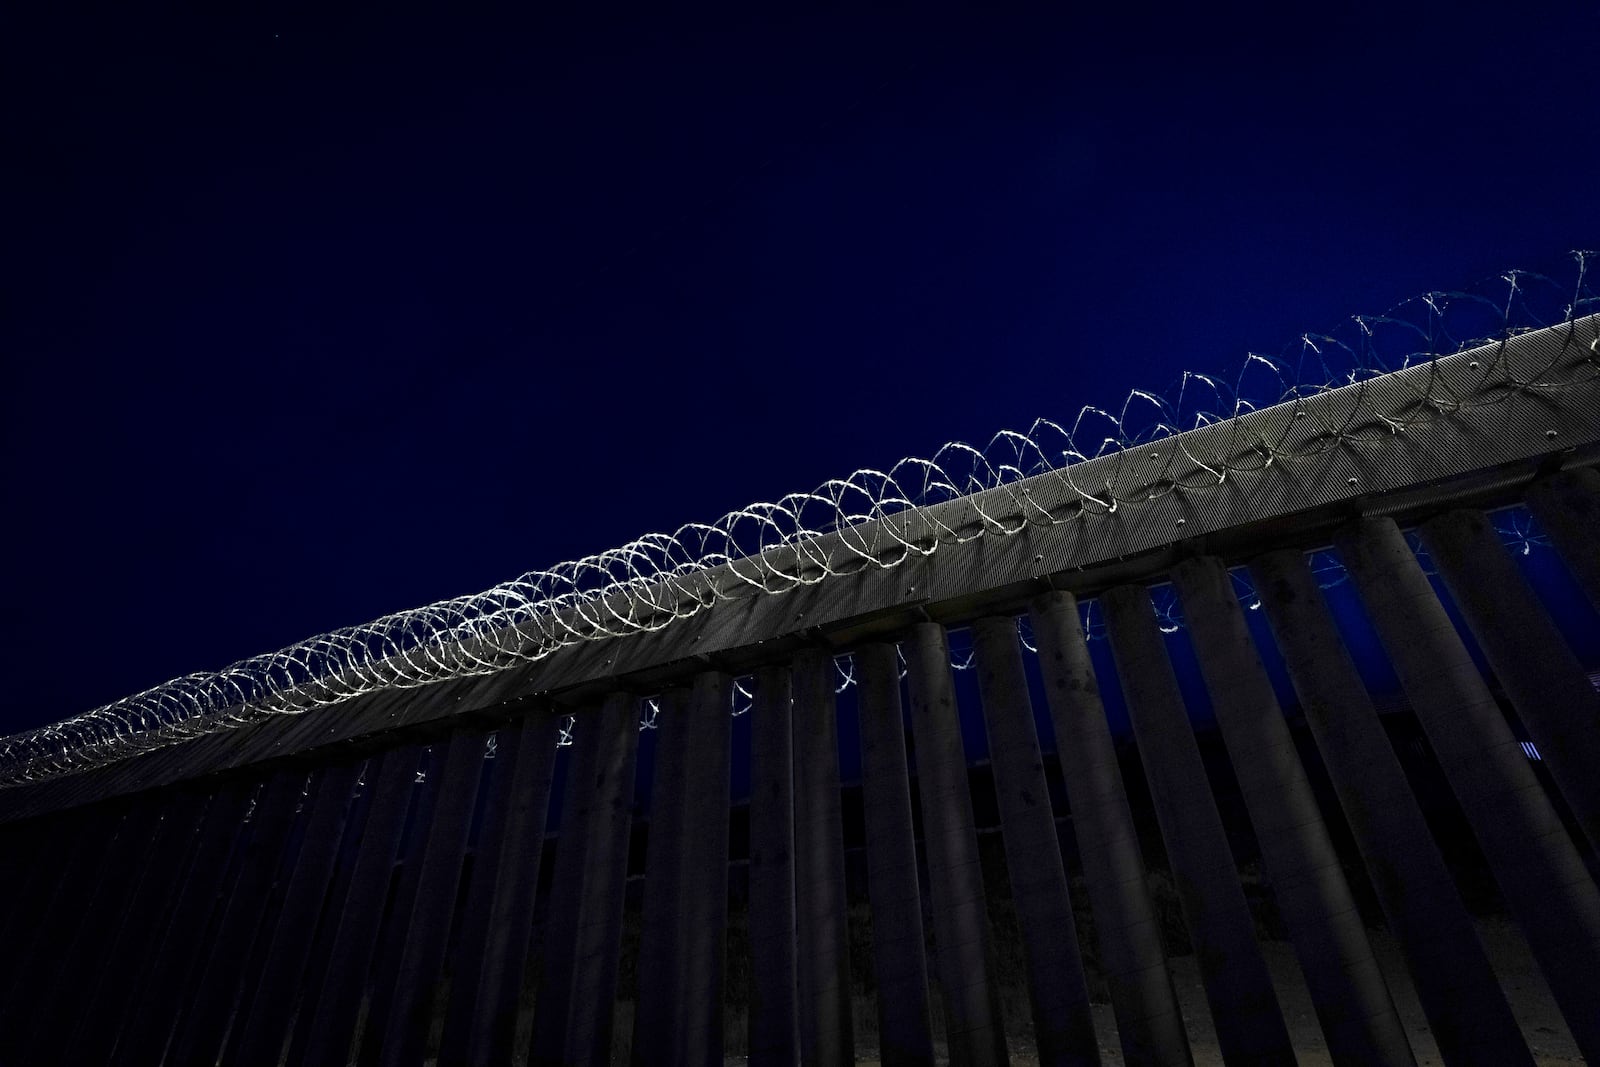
(768, 548)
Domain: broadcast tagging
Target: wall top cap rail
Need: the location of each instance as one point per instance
(910, 534)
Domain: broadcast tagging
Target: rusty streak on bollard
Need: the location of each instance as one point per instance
(1465, 1006)
(1544, 679)
(774, 1011)
(1063, 1026)
(1348, 990)
(974, 1033)
(1250, 1027)
(1149, 1021)
(577, 990)
(1538, 868)
(905, 1025)
(827, 1036)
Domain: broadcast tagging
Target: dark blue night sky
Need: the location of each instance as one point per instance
(308, 318)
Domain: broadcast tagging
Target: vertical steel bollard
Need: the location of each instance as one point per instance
(563, 914)
(266, 1019)
(55, 985)
(1149, 1022)
(205, 1023)
(827, 1033)
(493, 852)
(974, 1033)
(92, 1036)
(329, 1013)
(1349, 993)
(1063, 1026)
(478, 908)
(406, 881)
(573, 1015)
(1533, 859)
(905, 1025)
(705, 866)
(320, 950)
(1244, 1006)
(658, 1011)
(1460, 995)
(493, 1029)
(774, 1012)
(150, 1015)
(438, 879)
(1547, 685)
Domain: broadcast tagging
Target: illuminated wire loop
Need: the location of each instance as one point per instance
(875, 519)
